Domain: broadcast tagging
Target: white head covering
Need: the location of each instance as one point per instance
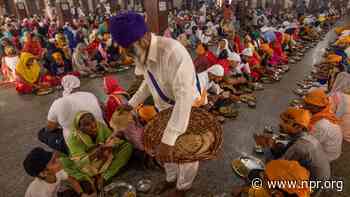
(218, 51)
(247, 52)
(216, 70)
(69, 83)
(264, 29)
(234, 57)
(267, 29)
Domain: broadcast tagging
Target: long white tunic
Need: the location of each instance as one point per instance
(173, 69)
(330, 137)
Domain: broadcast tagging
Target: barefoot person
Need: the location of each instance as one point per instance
(170, 79)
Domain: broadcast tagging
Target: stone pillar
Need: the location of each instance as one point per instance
(2, 7)
(157, 15)
(21, 10)
(63, 11)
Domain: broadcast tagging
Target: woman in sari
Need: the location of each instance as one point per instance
(205, 58)
(28, 74)
(62, 43)
(8, 64)
(94, 153)
(32, 45)
(223, 46)
(117, 96)
(81, 61)
(59, 65)
(278, 56)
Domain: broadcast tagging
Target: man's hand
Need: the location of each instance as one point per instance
(265, 141)
(165, 153)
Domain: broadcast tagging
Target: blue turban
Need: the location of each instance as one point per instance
(126, 28)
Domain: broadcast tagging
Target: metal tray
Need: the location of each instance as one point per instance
(119, 189)
(244, 164)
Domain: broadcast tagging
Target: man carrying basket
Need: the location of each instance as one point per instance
(170, 78)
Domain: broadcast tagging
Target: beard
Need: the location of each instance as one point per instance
(139, 56)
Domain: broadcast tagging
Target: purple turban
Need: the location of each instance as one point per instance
(126, 28)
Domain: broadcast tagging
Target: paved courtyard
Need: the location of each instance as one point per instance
(21, 117)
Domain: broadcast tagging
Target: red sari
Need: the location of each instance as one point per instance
(33, 48)
(254, 64)
(238, 46)
(226, 65)
(116, 96)
(278, 53)
(203, 62)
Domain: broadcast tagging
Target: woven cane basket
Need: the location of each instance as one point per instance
(201, 122)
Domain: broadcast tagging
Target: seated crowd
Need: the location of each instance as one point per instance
(92, 143)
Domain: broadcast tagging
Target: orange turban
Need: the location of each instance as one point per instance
(299, 116)
(339, 30)
(283, 170)
(258, 192)
(147, 113)
(317, 97)
(334, 59)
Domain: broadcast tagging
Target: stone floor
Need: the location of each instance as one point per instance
(22, 116)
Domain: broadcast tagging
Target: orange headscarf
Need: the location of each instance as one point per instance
(283, 170)
(146, 112)
(340, 30)
(319, 98)
(57, 56)
(334, 59)
(266, 49)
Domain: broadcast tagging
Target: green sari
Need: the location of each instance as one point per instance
(81, 146)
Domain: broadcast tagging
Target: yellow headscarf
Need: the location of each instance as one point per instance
(283, 170)
(343, 41)
(61, 41)
(30, 74)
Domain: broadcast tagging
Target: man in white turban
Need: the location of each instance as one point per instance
(210, 78)
(64, 109)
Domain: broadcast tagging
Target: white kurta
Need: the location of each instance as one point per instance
(330, 137)
(173, 69)
(40, 188)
